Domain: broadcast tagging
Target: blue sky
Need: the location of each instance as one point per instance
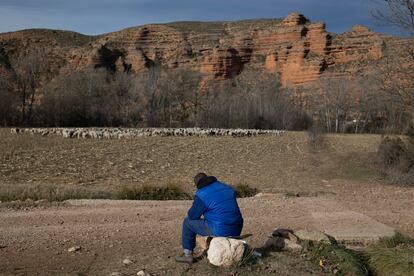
(102, 16)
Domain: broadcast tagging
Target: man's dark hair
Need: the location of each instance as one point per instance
(198, 177)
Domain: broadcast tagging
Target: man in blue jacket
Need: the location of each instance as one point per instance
(217, 203)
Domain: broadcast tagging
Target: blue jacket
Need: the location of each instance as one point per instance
(217, 202)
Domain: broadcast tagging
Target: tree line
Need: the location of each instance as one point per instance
(381, 102)
(157, 98)
(183, 98)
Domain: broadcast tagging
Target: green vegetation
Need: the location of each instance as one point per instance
(54, 193)
(339, 259)
(392, 256)
(169, 192)
(244, 190)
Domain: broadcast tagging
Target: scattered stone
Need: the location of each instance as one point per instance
(74, 249)
(291, 245)
(141, 273)
(285, 233)
(127, 261)
(117, 274)
(313, 235)
(293, 238)
(225, 251)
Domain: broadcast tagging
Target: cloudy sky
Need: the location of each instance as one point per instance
(101, 16)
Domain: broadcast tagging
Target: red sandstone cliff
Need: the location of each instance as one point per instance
(300, 51)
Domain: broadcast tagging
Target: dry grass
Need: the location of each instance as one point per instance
(268, 163)
(392, 256)
(244, 190)
(339, 260)
(395, 157)
(153, 193)
(50, 193)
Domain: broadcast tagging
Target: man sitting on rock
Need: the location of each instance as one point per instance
(217, 203)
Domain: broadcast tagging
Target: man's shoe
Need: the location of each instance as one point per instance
(188, 259)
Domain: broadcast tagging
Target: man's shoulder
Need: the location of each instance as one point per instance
(214, 187)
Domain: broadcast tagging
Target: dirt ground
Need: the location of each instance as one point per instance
(302, 183)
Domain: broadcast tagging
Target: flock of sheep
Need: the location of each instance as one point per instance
(120, 133)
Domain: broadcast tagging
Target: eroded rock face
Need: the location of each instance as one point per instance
(295, 48)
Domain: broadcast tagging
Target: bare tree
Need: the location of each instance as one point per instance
(128, 99)
(8, 104)
(180, 91)
(28, 70)
(399, 13)
(153, 76)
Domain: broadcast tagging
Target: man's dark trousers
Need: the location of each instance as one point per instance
(192, 228)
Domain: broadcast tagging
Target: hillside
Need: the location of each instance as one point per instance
(301, 51)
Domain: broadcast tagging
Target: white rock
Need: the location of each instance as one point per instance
(291, 245)
(312, 235)
(127, 261)
(225, 251)
(141, 273)
(74, 248)
(116, 274)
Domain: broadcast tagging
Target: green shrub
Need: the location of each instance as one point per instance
(340, 260)
(169, 192)
(244, 190)
(392, 256)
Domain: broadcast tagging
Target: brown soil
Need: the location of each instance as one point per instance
(35, 238)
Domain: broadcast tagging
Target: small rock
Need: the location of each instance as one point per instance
(127, 261)
(74, 249)
(141, 273)
(312, 235)
(116, 274)
(40, 201)
(285, 233)
(290, 245)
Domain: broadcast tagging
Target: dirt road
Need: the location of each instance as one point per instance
(35, 241)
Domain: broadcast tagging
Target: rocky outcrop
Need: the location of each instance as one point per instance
(295, 48)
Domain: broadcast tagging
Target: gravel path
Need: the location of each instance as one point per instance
(35, 241)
